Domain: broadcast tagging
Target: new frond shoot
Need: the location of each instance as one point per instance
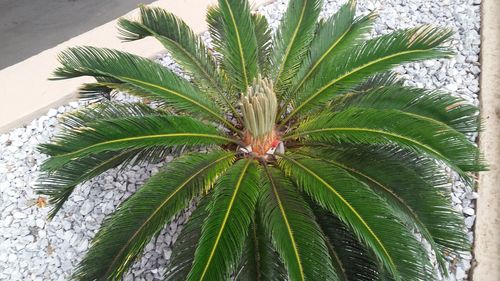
(259, 106)
(364, 173)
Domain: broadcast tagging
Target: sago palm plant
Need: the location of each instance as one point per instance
(321, 163)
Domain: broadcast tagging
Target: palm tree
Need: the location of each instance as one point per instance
(321, 163)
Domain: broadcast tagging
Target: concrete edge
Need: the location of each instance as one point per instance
(487, 230)
(26, 93)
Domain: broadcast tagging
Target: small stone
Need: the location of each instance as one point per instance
(52, 112)
(455, 199)
(460, 274)
(167, 253)
(452, 87)
(468, 211)
(83, 246)
(19, 215)
(86, 207)
(40, 223)
(7, 221)
(469, 221)
(12, 258)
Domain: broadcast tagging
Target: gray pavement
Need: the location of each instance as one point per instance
(28, 27)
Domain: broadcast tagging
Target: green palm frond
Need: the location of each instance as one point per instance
(372, 83)
(352, 260)
(433, 217)
(264, 41)
(441, 106)
(104, 111)
(226, 227)
(97, 91)
(60, 184)
(408, 130)
(131, 227)
(128, 133)
(369, 216)
(216, 29)
(187, 49)
(378, 80)
(178, 38)
(350, 67)
(139, 73)
(259, 260)
(289, 222)
(292, 40)
(232, 23)
(337, 33)
(185, 247)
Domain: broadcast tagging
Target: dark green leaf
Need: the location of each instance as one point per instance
(140, 75)
(177, 37)
(415, 187)
(352, 260)
(128, 133)
(352, 66)
(259, 262)
(454, 112)
(137, 220)
(226, 227)
(60, 184)
(263, 36)
(339, 32)
(184, 248)
(292, 40)
(291, 225)
(369, 216)
(408, 130)
(239, 45)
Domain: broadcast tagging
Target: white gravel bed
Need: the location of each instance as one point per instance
(32, 248)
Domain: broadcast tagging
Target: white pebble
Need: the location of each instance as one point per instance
(52, 112)
(19, 215)
(468, 211)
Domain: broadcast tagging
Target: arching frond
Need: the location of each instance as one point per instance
(364, 212)
(410, 131)
(352, 261)
(454, 112)
(178, 38)
(137, 220)
(264, 41)
(351, 67)
(233, 23)
(388, 78)
(184, 248)
(259, 261)
(414, 186)
(216, 29)
(128, 133)
(292, 40)
(289, 222)
(337, 33)
(60, 184)
(187, 48)
(139, 73)
(226, 227)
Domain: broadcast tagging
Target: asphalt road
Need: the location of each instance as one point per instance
(28, 27)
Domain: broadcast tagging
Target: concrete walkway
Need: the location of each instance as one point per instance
(29, 27)
(487, 245)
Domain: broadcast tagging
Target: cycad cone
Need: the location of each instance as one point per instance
(259, 107)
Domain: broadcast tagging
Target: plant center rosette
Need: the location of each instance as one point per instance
(259, 108)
